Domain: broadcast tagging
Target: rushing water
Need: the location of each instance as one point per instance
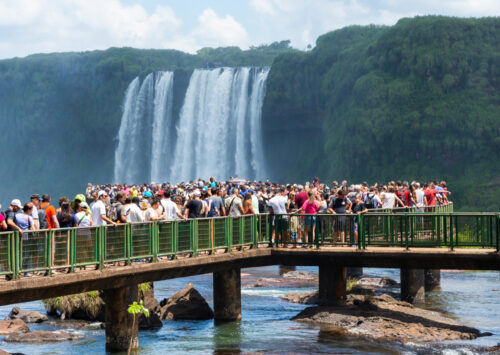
(473, 298)
(218, 131)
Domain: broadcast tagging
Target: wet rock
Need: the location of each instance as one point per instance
(376, 282)
(187, 304)
(11, 326)
(302, 298)
(26, 316)
(300, 275)
(384, 318)
(151, 322)
(41, 337)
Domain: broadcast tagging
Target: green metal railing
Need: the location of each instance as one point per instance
(47, 251)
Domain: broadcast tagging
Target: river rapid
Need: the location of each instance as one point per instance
(473, 298)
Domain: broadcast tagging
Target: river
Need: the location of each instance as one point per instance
(473, 298)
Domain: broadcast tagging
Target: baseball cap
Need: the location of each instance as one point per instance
(84, 205)
(35, 197)
(16, 203)
(147, 194)
(100, 193)
(197, 192)
(160, 193)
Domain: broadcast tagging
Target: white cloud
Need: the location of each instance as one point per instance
(216, 31)
(34, 26)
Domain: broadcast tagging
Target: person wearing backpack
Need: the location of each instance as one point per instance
(372, 201)
(50, 213)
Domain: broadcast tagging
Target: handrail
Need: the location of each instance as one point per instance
(47, 251)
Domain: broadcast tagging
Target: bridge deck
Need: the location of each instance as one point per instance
(41, 287)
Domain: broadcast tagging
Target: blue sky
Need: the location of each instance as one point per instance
(44, 26)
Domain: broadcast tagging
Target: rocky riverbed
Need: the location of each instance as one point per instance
(372, 311)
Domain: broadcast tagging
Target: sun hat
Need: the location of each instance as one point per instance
(16, 203)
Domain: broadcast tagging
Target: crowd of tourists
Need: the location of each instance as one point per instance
(123, 203)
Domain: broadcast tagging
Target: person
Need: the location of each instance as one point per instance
(3, 222)
(358, 209)
(310, 207)
(65, 216)
(35, 200)
(82, 217)
(172, 212)
(119, 207)
(389, 198)
(339, 205)
(278, 207)
(10, 215)
(234, 204)
(420, 197)
(99, 210)
(247, 204)
(217, 201)
(50, 212)
(24, 220)
(134, 213)
(151, 213)
(194, 207)
(372, 201)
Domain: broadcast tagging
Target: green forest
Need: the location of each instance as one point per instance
(417, 100)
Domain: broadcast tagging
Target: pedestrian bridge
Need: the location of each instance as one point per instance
(50, 263)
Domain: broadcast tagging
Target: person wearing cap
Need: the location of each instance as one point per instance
(82, 217)
(194, 208)
(99, 210)
(148, 197)
(35, 200)
(10, 215)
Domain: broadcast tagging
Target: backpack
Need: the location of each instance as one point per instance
(113, 211)
(369, 202)
(42, 217)
(262, 206)
(402, 196)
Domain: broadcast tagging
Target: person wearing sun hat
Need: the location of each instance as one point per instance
(76, 201)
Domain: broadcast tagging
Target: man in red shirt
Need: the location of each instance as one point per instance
(430, 194)
(50, 212)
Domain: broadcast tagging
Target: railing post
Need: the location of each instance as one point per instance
(154, 240)
(129, 248)
(175, 239)
(193, 228)
(229, 234)
(101, 233)
(72, 249)
(254, 230)
(498, 232)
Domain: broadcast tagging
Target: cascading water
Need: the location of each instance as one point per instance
(144, 129)
(218, 131)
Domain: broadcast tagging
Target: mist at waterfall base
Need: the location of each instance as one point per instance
(217, 131)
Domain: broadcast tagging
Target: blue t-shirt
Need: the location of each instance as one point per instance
(24, 221)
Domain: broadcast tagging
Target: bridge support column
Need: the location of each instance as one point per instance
(354, 271)
(432, 278)
(412, 285)
(227, 295)
(332, 284)
(121, 331)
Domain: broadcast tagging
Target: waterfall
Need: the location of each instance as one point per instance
(216, 133)
(144, 128)
(219, 129)
(162, 121)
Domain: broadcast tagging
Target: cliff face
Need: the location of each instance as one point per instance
(418, 100)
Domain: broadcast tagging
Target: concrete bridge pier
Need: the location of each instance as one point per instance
(332, 284)
(432, 279)
(412, 285)
(227, 295)
(121, 330)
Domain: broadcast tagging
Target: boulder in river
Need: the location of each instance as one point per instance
(187, 304)
(384, 318)
(26, 316)
(300, 275)
(12, 326)
(41, 337)
(302, 298)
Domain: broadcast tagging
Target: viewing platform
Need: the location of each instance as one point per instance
(115, 259)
